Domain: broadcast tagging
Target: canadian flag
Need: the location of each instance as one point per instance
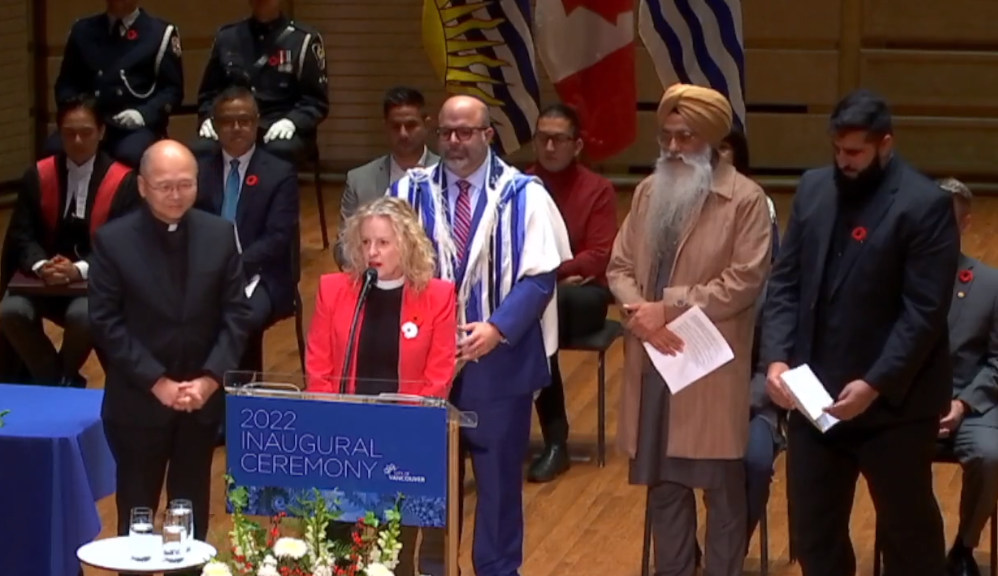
(587, 48)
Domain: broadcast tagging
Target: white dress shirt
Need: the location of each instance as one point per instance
(477, 181)
(397, 172)
(127, 20)
(78, 188)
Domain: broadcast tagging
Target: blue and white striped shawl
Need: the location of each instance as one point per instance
(495, 255)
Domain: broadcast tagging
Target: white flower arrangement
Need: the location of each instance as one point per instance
(267, 551)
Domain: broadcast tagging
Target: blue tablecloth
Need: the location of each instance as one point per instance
(54, 466)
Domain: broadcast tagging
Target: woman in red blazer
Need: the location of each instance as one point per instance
(406, 340)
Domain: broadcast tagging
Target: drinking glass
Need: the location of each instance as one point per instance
(141, 539)
(185, 507)
(174, 535)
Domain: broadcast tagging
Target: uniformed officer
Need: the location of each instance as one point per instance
(129, 61)
(284, 63)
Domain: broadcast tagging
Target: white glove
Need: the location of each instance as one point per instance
(280, 130)
(130, 119)
(208, 130)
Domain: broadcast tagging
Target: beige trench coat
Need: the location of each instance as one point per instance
(721, 265)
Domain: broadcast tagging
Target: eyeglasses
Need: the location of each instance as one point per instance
(542, 139)
(464, 133)
(183, 186)
(681, 137)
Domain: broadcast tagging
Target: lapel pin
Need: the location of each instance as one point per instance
(409, 330)
(960, 294)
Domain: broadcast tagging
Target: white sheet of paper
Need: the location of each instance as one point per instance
(251, 287)
(705, 350)
(810, 396)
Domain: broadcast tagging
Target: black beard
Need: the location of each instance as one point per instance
(864, 183)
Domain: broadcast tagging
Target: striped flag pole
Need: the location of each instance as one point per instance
(697, 42)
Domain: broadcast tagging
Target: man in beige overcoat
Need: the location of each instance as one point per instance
(698, 234)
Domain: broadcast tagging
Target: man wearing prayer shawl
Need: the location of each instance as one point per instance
(500, 238)
(698, 234)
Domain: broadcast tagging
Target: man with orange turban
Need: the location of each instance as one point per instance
(698, 235)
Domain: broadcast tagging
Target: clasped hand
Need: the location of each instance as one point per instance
(59, 270)
(646, 320)
(855, 399)
(184, 396)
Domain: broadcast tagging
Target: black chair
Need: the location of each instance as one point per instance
(296, 274)
(314, 161)
(947, 459)
(599, 342)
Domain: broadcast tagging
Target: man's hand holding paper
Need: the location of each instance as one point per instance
(855, 399)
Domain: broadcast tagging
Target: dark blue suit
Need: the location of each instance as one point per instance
(500, 388)
(266, 219)
(140, 71)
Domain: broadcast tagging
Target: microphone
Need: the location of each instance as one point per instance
(370, 277)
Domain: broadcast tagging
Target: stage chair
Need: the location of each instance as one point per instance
(314, 162)
(993, 568)
(599, 342)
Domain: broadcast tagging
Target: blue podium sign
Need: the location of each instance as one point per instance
(360, 455)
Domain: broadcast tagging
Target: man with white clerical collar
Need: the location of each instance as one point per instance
(698, 235)
(500, 239)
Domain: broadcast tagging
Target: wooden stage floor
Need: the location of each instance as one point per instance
(588, 522)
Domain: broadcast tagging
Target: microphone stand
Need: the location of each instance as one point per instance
(370, 277)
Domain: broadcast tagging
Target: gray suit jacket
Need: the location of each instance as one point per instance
(973, 328)
(364, 184)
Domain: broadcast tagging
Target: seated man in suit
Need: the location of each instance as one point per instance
(129, 61)
(970, 429)
(257, 192)
(285, 63)
(64, 199)
(406, 121)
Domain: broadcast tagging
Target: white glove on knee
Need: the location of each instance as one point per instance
(280, 130)
(208, 130)
(130, 119)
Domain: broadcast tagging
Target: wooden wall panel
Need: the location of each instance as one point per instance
(15, 91)
(962, 147)
(918, 22)
(934, 82)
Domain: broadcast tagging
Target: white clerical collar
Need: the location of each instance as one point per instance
(476, 179)
(87, 166)
(243, 160)
(421, 163)
(391, 284)
(171, 227)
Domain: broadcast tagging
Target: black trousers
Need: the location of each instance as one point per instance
(896, 461)
(581, 312)
(181, 453)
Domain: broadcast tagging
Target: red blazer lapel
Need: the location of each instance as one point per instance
(414, 341)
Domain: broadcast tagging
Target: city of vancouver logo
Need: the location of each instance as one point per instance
(395, 475)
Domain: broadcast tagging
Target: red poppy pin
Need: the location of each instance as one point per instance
(966, 276)
(859, 233)
(251, 180)
(131, 35)
(274, 61)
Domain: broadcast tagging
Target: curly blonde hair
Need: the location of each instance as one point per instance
(418, 258)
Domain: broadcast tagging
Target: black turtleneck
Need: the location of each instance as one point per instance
(377, 370)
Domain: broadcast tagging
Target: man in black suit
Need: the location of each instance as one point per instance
(258, 192)
(285, 63)
(969, 430)
(860, 293)
(169, 317)
(64, 199)
(130, 62)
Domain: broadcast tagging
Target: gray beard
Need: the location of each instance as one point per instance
(677, 195)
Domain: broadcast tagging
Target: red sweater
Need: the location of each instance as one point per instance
(587, 202)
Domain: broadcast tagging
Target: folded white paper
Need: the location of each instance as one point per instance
(704, 351)
(810, 396)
